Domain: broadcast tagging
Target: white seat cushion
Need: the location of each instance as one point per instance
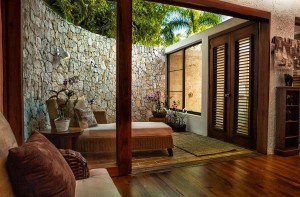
(98, 184)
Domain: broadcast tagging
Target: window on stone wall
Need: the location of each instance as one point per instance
(175, 79)
(184, 78)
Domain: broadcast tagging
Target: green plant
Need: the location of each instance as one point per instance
(63, 97)
(174, 117)
(188, 20)
(153, 24)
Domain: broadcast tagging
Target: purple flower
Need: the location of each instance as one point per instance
(65, 82)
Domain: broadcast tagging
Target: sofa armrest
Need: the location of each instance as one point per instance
(76, 162)
(98, 184)
(100, 117)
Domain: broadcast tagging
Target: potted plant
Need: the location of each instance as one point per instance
(158, 109)
(63, 98)
(176, 119)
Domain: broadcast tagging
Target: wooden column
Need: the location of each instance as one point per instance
(124, 73)
(12, 66)
(1, 61)
(263, 88)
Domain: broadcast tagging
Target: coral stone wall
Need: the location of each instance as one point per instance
(93, 59)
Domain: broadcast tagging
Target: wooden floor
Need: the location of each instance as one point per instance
(159, 160)
(255, 176)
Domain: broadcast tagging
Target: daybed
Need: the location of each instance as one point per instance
(145, 136)
(102, 138)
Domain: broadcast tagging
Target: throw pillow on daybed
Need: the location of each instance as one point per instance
(86, 118)
(37, 168)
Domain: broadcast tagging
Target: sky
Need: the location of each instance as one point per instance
(182, 31)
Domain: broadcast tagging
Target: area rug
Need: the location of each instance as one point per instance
(199, 145)
(160, 161)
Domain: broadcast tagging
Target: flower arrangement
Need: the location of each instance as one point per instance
(63, 97)
(176, 119)
(158, 109)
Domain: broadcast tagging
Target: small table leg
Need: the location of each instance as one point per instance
(75, 143)
(170, 151)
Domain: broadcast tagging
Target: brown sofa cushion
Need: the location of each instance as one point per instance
(86, 118)
(38, 169)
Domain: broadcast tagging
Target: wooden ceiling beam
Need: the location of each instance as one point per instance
(221, 7)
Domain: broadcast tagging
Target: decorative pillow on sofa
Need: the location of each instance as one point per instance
(37, 168)
(86, 118)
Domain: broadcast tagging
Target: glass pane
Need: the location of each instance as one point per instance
(177, 97)
(59, 54)
(219, 62)
(175, 81)
(176, 61)
(193, 78)
(243, 52)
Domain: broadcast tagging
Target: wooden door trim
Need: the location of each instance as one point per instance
(231, 29)
(263, 87)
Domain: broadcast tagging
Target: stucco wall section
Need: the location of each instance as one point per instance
(93, 59)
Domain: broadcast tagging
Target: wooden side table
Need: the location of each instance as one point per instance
(64, 140)
(157, 119)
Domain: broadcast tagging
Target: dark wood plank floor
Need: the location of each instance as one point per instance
(256, 176)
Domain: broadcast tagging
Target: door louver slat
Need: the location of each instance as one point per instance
(242, 90)
(219, 54)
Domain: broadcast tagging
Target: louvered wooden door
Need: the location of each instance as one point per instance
(233, 87)
(220, 83)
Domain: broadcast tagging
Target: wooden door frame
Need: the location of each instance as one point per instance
(12, 67)
(12, 96)
(263, 18)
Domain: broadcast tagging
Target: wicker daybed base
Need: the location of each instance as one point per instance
(145, 136)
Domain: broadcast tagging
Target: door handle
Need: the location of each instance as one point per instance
(227, 95)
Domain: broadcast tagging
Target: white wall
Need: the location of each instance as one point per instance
(195, 123)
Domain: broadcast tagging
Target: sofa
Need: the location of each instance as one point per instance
(99, 183)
